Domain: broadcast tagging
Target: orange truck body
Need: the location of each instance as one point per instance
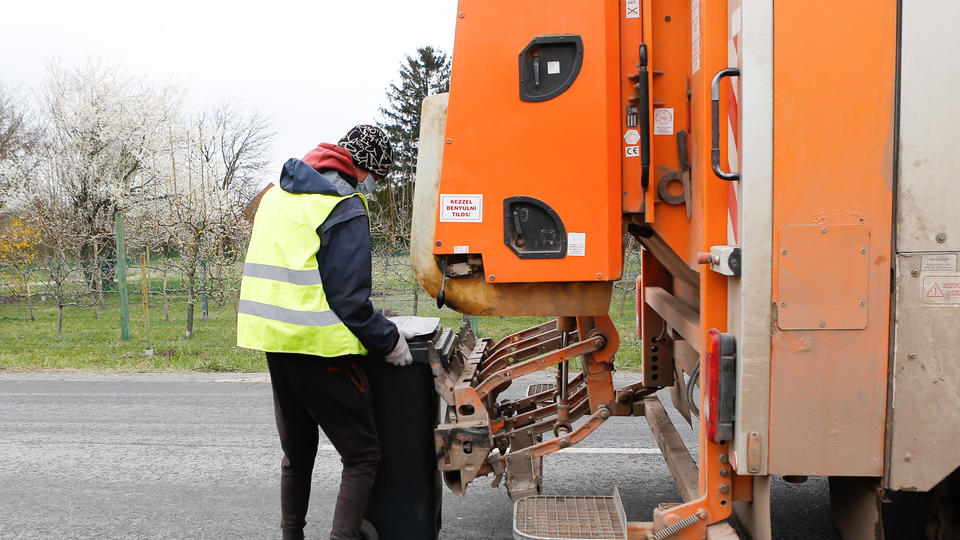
(825, 219)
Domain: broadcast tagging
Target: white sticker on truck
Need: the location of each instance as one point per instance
(632, 151)
(576, 244)
(633, 9)
(939, 262)
(462, 208)
(942, 290)
(663, 121)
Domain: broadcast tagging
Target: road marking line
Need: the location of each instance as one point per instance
(627, 451)
(634, 451)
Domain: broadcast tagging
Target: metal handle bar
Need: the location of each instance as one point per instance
(643, 93)
(715, 123)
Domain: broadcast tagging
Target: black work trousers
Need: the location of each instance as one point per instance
(332, 393)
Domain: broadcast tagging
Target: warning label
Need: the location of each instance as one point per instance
(663, 121)
(464, 208)
(939, 262)
(576, 244)
(942, 290)
(633, 9)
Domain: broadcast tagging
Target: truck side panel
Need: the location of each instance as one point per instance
(834, 72)
(924, 428)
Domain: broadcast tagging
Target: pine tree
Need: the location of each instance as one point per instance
(422, 74)
(425, 73)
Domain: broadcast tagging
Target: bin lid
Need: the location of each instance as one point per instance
(418, 326)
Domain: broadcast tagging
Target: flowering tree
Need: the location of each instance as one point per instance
(19, 242)
(211, 176)
(102, 126)
(103, 145)
(19, 138)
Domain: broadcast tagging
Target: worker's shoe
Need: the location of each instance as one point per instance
(292, 534)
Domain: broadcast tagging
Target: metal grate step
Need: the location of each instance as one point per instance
(569, 518)
(537, 388)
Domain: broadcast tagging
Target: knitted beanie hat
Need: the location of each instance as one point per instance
(370, 149)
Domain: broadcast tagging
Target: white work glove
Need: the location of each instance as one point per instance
(400, 355)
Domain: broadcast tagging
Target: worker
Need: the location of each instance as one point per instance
(305, 301)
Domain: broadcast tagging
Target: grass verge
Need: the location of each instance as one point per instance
(91, 341)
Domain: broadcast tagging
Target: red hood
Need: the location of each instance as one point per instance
(330, 156)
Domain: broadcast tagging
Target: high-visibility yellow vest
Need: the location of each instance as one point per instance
(283, 307)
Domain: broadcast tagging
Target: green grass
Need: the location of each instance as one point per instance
(94, 344)
(89, 343)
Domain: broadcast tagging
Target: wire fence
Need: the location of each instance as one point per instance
(52, 310)
(168, 283)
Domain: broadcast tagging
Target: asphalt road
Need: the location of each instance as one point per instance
(197, 456)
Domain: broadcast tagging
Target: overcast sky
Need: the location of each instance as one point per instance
(316, 68)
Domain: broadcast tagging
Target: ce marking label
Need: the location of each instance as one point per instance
(632, 151)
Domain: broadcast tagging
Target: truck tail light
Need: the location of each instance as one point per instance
(720, 380)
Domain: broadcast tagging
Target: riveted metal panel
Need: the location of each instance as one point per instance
(833, 135)
(929, 181)
(923, 432)
(926, 372)
(823, 274)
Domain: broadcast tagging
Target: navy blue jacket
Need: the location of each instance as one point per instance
(344, 258)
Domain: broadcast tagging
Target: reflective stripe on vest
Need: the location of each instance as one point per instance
(279, 273)
(277, 313)
(283, 307)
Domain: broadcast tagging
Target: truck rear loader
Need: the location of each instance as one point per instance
(790, 172)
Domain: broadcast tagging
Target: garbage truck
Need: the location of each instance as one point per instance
(790, 171)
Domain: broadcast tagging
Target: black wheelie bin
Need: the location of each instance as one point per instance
(406, 499)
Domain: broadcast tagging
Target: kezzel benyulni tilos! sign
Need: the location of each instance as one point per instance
(463, 208)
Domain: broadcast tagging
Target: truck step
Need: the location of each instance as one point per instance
(543, 517)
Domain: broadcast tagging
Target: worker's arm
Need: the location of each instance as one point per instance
(345, 269)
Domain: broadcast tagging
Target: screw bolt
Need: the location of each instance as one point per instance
(863, 250)
(724, 459)
(493, 277)
(915, 273)
(824, 230)
(439, 243)
(783, 252)
(724, 488)
(941, 237)
(823, 324)
(783, 304)
(462, 15)
(912, 356)
(449, 141)
(724, 473)
(863, 302)
(907, 457)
